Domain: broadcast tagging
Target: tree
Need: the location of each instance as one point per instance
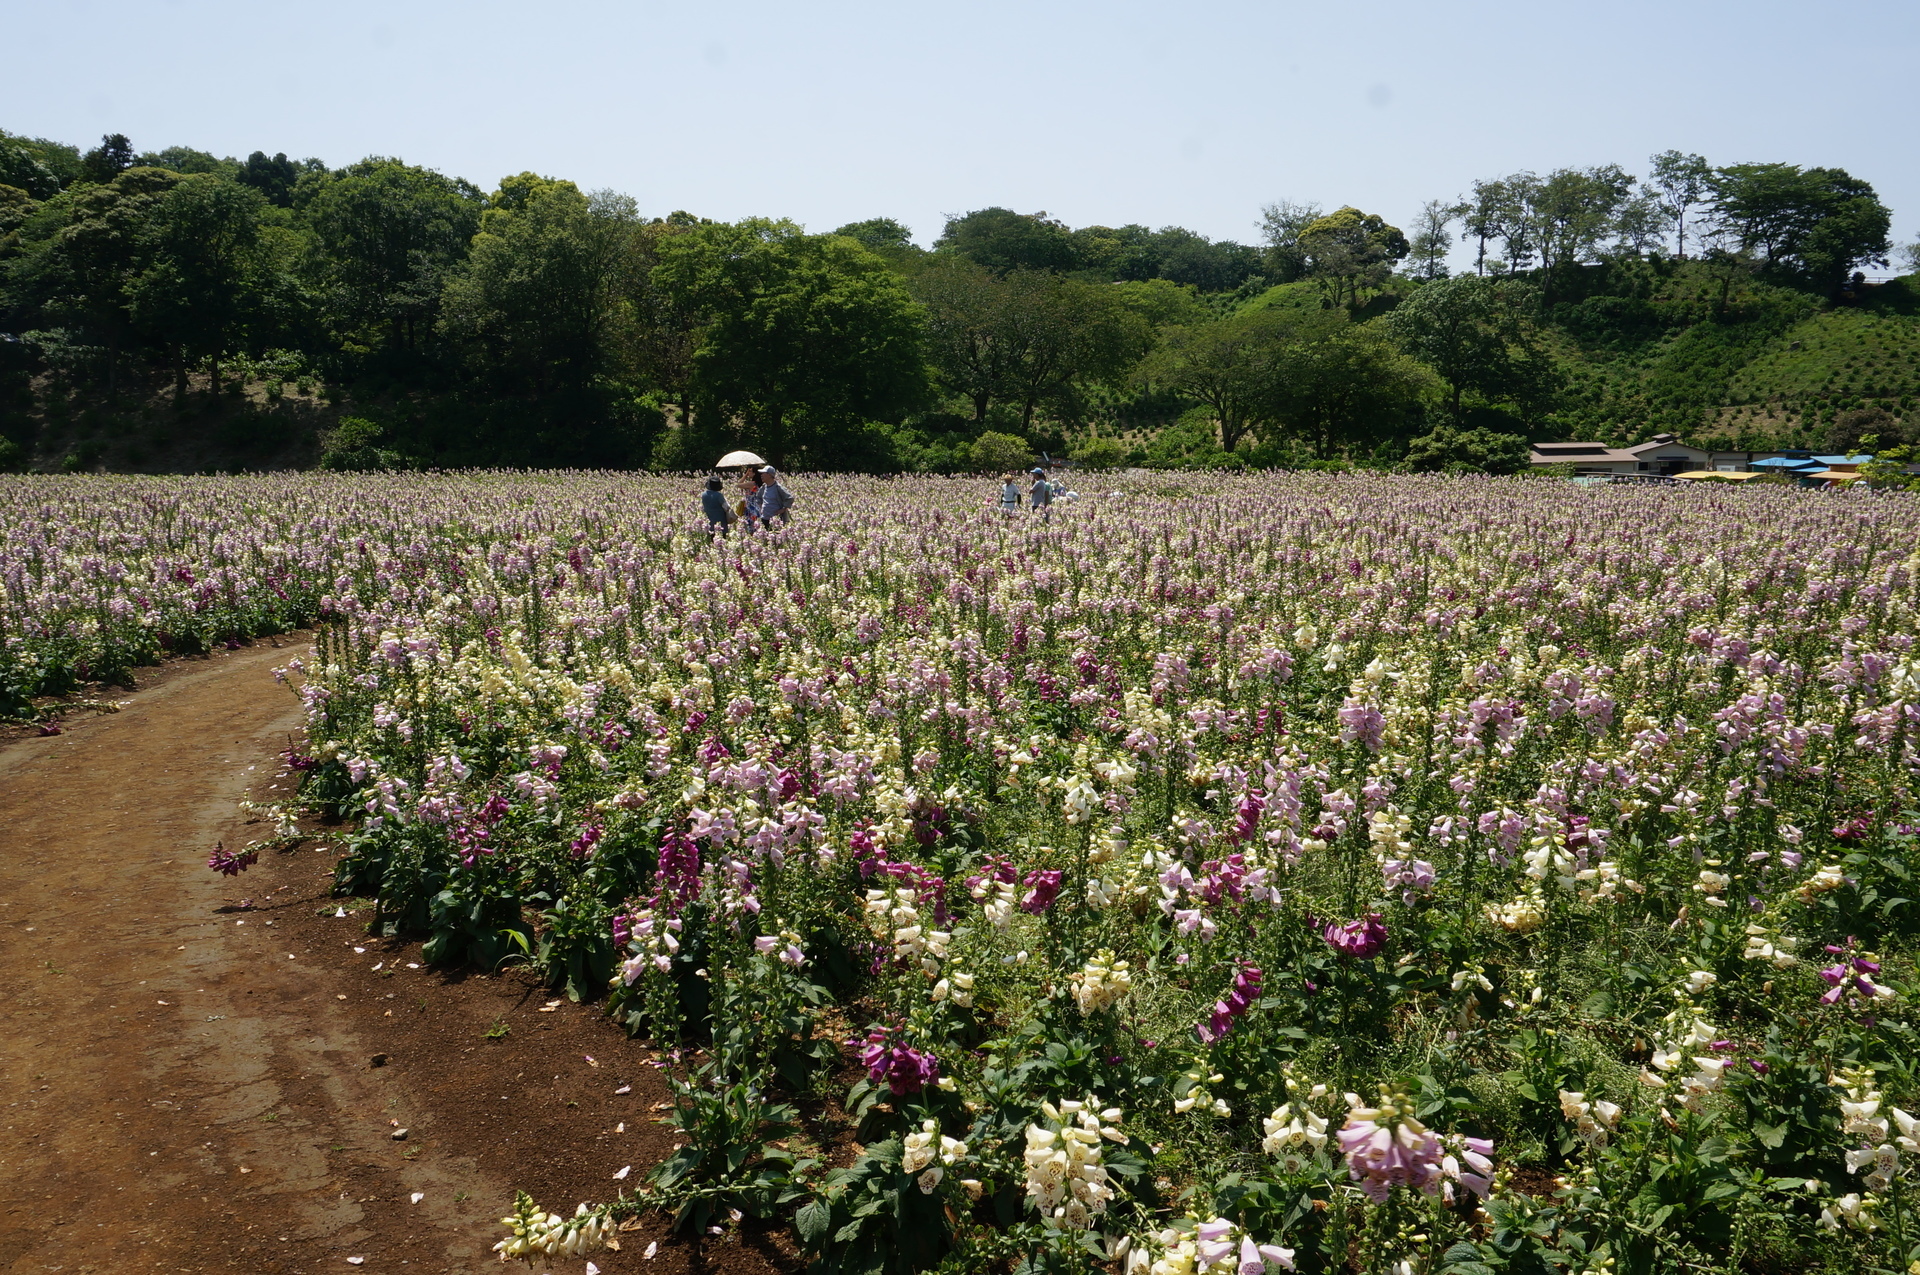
(113, 156)
(1003, 240)
(185, 159)
(1232, 365)
(390, 233)
(201, 284)
(21, 169)
(1281, 225)
(1025, 337)
(1640, 225)
(80, 271)
(1476, 333)
(1343, 386)
(965, 341)
(1181, 256)
(1468, 451)
(1851, 431)
(997, 453)
(275, 177)
(1348, 250)
(1811, 226)
(1683, 182)
(537, 299)
(1061, 334)
(1573, 213)
(883, 235)
(804, 337)
(40, 167)
(1431, 240)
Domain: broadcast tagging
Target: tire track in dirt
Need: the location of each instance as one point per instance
(184, 1092)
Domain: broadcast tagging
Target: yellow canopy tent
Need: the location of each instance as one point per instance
(1717, 475)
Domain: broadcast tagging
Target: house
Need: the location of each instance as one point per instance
(1661, 456)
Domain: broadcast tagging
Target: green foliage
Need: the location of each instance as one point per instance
(1479, 336)
(1100, 453)
(997, 453)
(1002, 240)
(1348, 250)
(389, 235)
(1471, 451)
(803, 336)
(1809, 225)
(542, 325)
(353, 446)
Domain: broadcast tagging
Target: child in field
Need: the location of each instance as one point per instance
(750, 500)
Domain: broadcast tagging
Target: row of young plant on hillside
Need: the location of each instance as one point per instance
(1324, 872)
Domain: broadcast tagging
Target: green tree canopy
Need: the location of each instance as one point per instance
(803, 337)
(390, 233)
(883, 235)
(1235, 366)
(1003, 240)
(113, 156)
(1449, 449)
(1343, 387)
(1813, 225)
(1027, 337)
(204, 278)
(539, 296)
(1348, 250)
(1477, 334)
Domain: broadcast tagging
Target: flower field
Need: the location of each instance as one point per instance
(1300, 872)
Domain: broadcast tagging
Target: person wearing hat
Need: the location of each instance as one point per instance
(775, 500)
(1041, 497)
(713, 503)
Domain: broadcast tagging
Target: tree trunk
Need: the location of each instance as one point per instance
(179, 373)
(981, 399)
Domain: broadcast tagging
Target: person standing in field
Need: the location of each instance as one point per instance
(775, 500)
(1042, 495)
(713, 503)
(1009, 496)
(750, 500)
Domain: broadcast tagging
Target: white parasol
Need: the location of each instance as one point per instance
(735, 459)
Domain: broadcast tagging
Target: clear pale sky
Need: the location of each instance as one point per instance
(1193, 114)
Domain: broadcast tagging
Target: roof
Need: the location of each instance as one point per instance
(1639, 450)
(1601, 454)
(1718, 475)
(1787, 462)
(1836, 475)
(1843, 460)
(1577, 453)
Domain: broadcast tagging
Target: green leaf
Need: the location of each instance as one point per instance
(812, 1221)
(1769, 1135)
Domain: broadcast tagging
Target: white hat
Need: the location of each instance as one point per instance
(768, 469)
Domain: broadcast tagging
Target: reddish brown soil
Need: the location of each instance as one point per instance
(188, 1079)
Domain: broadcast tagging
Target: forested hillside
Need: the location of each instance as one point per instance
(177, 310)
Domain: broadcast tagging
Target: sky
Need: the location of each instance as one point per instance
(1194, 114)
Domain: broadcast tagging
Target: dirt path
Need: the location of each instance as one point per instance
(190, 1083)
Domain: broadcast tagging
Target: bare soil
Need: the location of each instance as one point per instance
(204, 1073)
